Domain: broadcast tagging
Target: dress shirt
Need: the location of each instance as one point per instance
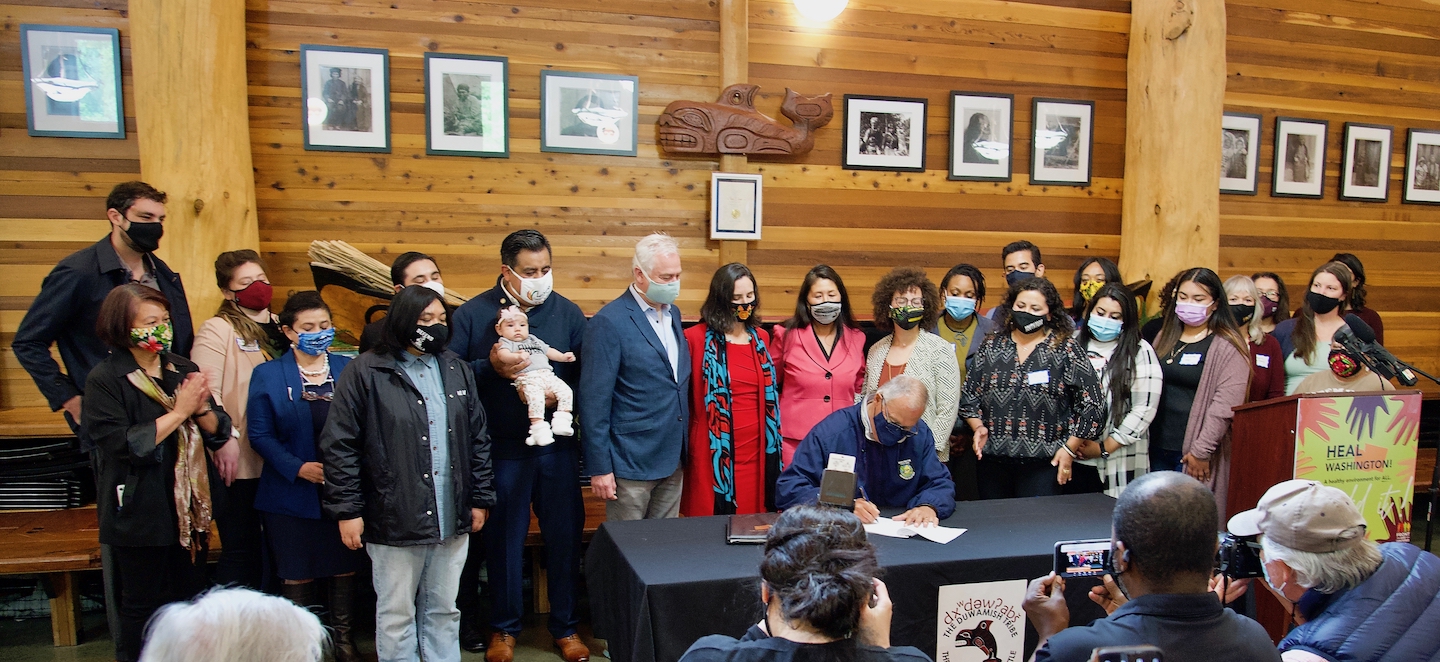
(660, 322)
(424, 371)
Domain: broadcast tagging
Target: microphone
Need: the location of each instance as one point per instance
(1359, 339)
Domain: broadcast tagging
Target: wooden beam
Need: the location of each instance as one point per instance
(1170, 218)
(193, 123)
(734, 68)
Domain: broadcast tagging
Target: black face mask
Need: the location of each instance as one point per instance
(1017, 276)
(145, 237)
(1027, 321)
(1320, 303)
(1242, 312)
(431, 339)
(742, 311)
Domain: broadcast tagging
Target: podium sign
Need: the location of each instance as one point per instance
(1364, 445)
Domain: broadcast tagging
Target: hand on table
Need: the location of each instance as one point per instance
(866, 511)
(919, 516)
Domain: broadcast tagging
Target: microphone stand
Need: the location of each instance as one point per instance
(1434, 473)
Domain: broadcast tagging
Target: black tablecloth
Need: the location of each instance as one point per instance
(658, 585)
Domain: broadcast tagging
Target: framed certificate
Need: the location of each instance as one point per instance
(735, 206)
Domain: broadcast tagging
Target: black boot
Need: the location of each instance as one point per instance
(472, 631)
(301, 594)
(342, 610)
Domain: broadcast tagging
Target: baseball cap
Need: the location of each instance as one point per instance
(1303, 515)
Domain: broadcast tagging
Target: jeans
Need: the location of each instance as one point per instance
(1166, 460)
(646, 499)
(415, 613)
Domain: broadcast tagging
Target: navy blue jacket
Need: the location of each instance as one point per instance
(880, 471)
(281, 431)
(64, 313)
(635, 411)
(1392, 616)
(558, 322)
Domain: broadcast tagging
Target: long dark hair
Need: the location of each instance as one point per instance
(1060, 325)
(1120, 370)
(1112, 275)
(405, 311)
(715, 312)
(1359, 292)
(1282, 304)
(969, 271)
(1222, 321)
(821, 567)
(899, 280)
(1305, 338)
(802, 316)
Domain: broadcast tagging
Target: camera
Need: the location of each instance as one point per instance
(1239, 557)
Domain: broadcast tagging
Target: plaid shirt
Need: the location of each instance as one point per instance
(1032, 408)
(1132, 460)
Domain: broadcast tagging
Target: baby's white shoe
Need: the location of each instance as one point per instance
(540, 434)
(562, 423)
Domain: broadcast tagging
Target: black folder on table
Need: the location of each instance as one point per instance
(749, 529)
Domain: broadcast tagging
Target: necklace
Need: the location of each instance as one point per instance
(324, 368)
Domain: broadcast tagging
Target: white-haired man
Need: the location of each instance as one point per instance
(633, 390)
(1354, 599)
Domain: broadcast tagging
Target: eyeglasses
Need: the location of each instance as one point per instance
(899, 429)
(1272, 295)
(898, 302)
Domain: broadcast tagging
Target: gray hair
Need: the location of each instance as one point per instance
(653, 246)
(234, 625)
(1327, 572)
(904, 388)
(1239, 284)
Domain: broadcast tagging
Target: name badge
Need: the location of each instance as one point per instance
(1190, 359)
(252, 346)
(1037, 377)
(841, 462)
(1262, 360)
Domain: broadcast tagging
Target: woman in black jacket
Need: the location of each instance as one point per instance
(407, 474)
(151, 417)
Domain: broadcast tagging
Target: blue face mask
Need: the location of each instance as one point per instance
(890, 434)
(1104, 329)
(315, 343)
(662, 293)
(959, 308)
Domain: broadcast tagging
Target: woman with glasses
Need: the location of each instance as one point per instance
(1274, 300)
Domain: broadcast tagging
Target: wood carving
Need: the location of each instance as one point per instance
(731, 125)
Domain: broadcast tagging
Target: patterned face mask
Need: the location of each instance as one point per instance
(1343, 365)
(1089, 288)
(155, 339)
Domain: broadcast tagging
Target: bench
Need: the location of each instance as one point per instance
(594, 517)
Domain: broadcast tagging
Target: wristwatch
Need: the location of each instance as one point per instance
(1104, 454)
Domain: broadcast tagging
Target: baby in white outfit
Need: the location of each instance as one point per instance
(538, 379)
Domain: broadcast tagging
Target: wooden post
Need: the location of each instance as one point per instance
(64, 608)
(193, 121)
(1171, 212)
(734, 68)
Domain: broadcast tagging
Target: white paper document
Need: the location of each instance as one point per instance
(886, 526)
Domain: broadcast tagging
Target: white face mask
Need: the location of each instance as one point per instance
(435, 286)
(534, 291)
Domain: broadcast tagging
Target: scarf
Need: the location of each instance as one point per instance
(721, 432)
(192, 482)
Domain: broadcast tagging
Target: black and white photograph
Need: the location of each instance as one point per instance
(1365, 166)
(1299, 158)
(583, 113)
(466, 105)
(347, 98)
(884, 133)
(1239, 153)
(72, 76)
(981, 131)
(1060, 147)
(1422, 167)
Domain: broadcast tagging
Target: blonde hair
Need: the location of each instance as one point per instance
(1245, 285)
(653, 246)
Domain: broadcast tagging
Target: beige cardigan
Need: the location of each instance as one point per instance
(933, 362)
(218, 352)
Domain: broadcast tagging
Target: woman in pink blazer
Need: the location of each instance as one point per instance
(819, 357)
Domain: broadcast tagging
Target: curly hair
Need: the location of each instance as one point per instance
(821, 567)
(1059, 322)
(901, 279)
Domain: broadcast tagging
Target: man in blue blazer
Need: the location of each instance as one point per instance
(633, 390)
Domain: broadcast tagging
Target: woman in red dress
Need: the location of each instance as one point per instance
(734, 447)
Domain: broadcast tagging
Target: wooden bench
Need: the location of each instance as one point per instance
(32, 422)
(594, 517)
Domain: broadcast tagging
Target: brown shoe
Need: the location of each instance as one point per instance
(502, 648)
(572, 649)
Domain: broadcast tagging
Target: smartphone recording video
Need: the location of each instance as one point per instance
(1082, 558)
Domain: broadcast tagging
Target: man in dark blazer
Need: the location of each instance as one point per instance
(633, 390)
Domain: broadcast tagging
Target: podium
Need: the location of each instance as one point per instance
(1363, 443)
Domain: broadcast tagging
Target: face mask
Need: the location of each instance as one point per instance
(907, 317)
(1320, 303)
(1088, 289)
(662, 293)
(255, 296)
(1242, 312)
(145, 237)
(436, 287)
(315, 343)
(1343, 365)
(534, 291)
(1017, 277)
(825, 313)
(1104, 329)
(887, 433)
(1192, 314)
(1027, 321)
(431, 339)
(959, 308)
(1268, 307)
(155, 339)
(743, 311)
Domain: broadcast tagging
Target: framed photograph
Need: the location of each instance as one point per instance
(467, 105)
(1061, 141)
(735, 204)
(347, 98)
(589, 113)
(1299, 158)
(981, 136)
(884, 133)
(1422, 167)
(72, 81)
(1365, 162)
(1240, 154)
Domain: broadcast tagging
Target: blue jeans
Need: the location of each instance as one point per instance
(1163, 460)
(415, 613)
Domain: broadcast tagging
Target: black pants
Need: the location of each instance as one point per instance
(241, 547)
(1085, 479)
(962, 467)
(153, 578)
(1008, 479)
